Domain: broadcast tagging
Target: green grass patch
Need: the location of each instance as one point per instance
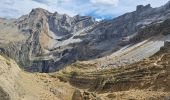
(8, 62)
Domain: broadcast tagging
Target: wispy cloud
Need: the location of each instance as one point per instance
(107, 2)
(96, 8)
(9, 13)
(9, 2)
(42, 1)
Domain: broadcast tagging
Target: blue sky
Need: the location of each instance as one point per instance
(101, 9)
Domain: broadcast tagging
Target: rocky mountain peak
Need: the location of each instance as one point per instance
(38, 11)
(143, 8)
(55, 13)
(167, 5)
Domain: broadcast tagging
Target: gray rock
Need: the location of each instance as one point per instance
(77, 95)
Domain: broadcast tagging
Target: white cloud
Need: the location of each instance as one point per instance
(98, 19)
(66, 0)
(108, 2)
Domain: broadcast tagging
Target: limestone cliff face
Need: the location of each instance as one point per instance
(130, 23)
(148, 31)
(44, 30)
(55, 40)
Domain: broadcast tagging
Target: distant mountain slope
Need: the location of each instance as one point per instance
(132, 53)
(46, 42)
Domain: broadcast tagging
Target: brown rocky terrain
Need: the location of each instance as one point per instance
(145, 80)
(15, 84)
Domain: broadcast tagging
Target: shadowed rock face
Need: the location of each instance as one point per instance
(4, 95)
(61, 40)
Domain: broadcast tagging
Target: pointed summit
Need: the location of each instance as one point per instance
(143, 8)
(39, 11)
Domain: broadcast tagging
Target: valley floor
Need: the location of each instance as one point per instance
(41, 86)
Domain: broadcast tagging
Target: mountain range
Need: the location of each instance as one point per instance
(94, 60)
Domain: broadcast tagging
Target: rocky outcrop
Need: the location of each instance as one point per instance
(77, 95)
(162, 28)
(141, 8)
(4, 95)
